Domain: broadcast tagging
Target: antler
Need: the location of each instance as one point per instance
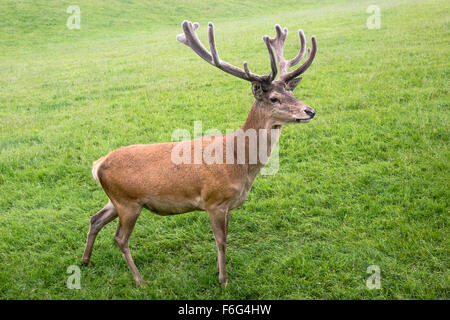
(190, 38)
(278, 44)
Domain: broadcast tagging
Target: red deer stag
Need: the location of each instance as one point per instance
(140, 176)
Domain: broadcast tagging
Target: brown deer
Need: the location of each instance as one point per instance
(140, 176)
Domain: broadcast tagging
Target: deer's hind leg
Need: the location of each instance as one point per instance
(128, 216)
(98, 221)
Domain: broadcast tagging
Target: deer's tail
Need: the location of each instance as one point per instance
(95, 167)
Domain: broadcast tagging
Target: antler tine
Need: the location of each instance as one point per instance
(212, 44)
(278, 44)
(273, 63)
(301, 52)
(222, 65)
(190, 38)
(311, 54)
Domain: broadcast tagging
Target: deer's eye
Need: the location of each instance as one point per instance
(274, 100)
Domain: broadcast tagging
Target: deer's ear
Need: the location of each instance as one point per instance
(257, 90)
(292, 84)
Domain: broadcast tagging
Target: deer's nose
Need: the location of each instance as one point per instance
(310, 112)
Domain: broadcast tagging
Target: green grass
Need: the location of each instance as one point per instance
(365, 183)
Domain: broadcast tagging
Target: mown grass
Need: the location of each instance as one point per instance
(365, 183)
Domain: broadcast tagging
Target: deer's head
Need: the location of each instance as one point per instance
(274, 97)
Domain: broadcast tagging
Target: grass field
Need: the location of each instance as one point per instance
(365, 183)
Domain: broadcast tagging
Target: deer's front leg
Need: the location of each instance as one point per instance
(219, 222)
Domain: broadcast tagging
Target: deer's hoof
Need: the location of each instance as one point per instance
(87, 263)
(140, 283)
(223, 281)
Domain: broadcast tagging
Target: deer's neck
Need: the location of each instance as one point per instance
(258, 118)
(267, 135)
